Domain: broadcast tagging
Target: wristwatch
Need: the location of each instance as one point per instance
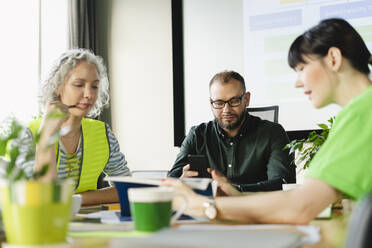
(210, 209)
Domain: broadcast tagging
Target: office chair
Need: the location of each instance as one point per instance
(269, 113)
(150, 173)
(359, 231)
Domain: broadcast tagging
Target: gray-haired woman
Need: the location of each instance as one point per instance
(78, 87)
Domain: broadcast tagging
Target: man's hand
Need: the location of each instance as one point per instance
(224, 186)
(186, 172)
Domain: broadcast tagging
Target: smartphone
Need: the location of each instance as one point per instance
(200, 164)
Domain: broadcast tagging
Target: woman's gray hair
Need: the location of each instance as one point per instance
(62, 67)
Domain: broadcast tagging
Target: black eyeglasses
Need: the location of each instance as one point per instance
(233, 102)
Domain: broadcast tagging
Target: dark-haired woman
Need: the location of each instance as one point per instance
(332, 63)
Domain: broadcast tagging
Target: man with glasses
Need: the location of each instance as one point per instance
(247, 150)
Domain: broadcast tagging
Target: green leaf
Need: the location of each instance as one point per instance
(9, 170)
(315, 140)
(15, 129)
(323, 126)
(300, 146)
(312, 138)
(330, 121)
(14, 153)
(292, 150)
(302, 158)
(308, 149)
(9, 132)
(3, 144)
(311, 134)
(30, 155)
(21, 175)
(56, 115)
(307, 164)
(37, 137)
(41, 172)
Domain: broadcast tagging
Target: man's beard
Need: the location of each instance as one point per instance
(231, 125)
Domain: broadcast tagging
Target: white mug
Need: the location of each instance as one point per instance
(75, 205)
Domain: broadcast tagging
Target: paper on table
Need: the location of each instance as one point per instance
(87, 229)
(195, 183)
(310, 233)
(107, 234)
(94, 215)
(326, 213)
(113, 217)
(84, 227)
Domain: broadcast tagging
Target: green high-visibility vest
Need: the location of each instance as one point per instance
(96, 152)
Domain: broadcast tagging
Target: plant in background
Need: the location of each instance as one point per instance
(10, 150)
(307, 148)
(34, 212)
(11, 144)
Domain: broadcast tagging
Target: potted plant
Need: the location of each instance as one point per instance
(304, 150)
(34, 212)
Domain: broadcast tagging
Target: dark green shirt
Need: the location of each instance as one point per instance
(254, 159)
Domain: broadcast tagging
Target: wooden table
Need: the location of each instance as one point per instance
(332, 234)
(333, 231)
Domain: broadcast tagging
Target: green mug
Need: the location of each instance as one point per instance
(151, 208)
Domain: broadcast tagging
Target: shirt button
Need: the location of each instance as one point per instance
(229, 165)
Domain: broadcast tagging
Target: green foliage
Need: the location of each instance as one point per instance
(10, 150)
(11, 142)
(307, 148)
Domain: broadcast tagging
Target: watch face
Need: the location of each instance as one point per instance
(211, 212)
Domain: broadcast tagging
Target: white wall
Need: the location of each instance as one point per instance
(213, 42)
(140, 60)
(140, 69)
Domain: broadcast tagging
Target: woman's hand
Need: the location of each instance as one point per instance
(194, 201)
(224, 186)
(56, 114)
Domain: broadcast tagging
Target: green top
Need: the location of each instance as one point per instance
(254, 159)
(345, 159)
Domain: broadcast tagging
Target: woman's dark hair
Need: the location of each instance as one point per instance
(329, 33)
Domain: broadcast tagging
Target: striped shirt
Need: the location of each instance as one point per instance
(69, 165)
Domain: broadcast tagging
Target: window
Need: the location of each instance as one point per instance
(33, 34)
